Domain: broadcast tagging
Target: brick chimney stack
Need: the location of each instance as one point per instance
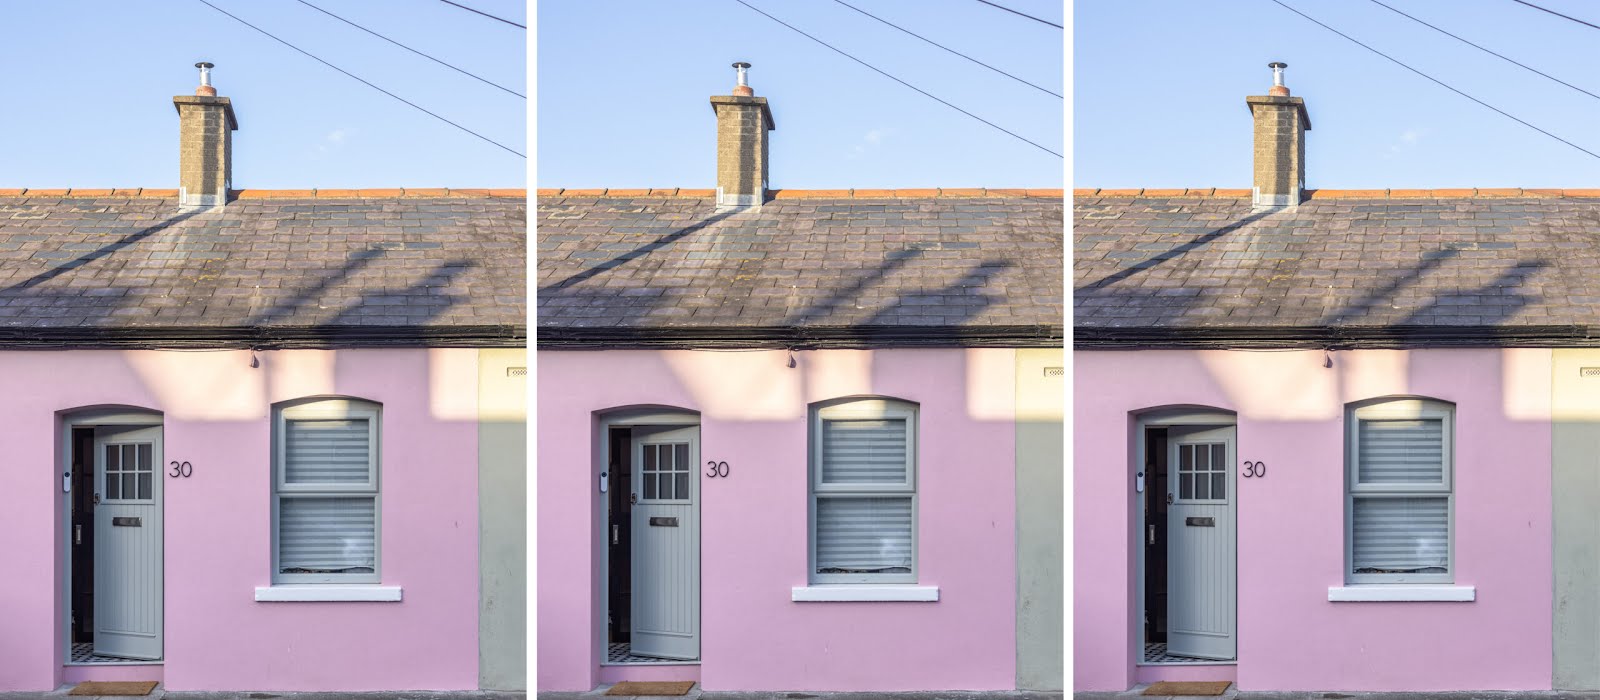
(743, 121)
(205, 145)
(1281, 124)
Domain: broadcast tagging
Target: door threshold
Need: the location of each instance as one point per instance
(124, 662)
(662, 662)
(1196, 662)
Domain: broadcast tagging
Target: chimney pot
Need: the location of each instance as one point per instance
(1278, 89)
(743, 121)
(743, 88)
(205, 145)
(1280, 145)
(205, 89)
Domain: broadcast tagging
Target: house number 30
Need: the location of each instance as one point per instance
(183, 469)
(716, 469)
(1252, 469)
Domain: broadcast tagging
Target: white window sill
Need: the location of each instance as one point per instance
(358, 592)
(864, 593)
(1420, 593)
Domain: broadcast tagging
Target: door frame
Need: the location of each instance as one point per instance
(1199, 416)
(130, 416)
(665, 416)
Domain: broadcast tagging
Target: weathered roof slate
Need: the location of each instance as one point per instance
(616, 269)
(135, 267)
(1466, 269)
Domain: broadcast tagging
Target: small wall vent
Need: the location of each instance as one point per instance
(1589, 371)
(1055, 371)
(516, 371)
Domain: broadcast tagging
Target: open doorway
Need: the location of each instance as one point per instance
(1185, 478)
(651, 538)
(112, 477)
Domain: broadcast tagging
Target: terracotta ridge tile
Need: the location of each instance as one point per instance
(1329, 193)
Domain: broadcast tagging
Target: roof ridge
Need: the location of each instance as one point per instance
(847, 193)
(1444, 193)
(369, 193)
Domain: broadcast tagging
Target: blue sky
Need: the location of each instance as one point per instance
(624, 88)
(89, 89)
(1159, 93)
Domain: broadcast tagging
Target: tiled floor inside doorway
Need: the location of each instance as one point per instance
(619, 653)
(1156, 653)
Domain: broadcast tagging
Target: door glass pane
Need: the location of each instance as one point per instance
(1219, 485)
(649, 484)
(1185, 486)
(649, 458)
(666, 486)
(682, 461)
(128, 487)
(1219, 458)
(145, 457)
(1202, 484)
(1202, 462)
(113, 458)
(129, 461)
(683, 484)
(1185, 458)
(144, 484)
(113, 487)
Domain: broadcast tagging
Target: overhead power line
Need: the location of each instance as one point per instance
(1487, 51)
(1558, 14)
(419, 53)
(358, 78)
(485, 14)
(1436, 81)
(1036, 19)
(875, 69)
(946, 48)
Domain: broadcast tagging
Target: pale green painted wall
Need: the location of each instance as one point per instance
(502, 521)
(1575, 448)
(1040, 409)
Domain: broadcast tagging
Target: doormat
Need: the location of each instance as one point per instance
(113, 688)
(651, 688)
(1187, 688)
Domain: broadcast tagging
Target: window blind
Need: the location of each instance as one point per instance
(327, 452)
(864, 535)
(1393, 535)
(1401, 451)
(327, 535)
(864, 451)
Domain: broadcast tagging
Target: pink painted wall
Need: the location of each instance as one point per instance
(217, 523)
(754, 523)
(1291, 523)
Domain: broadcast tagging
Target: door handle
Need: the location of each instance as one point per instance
(77, 534)
(614, 530)
(1150, 537)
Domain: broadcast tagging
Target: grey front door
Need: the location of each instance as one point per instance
(127, 542)
(1201, 548)
(666, 543)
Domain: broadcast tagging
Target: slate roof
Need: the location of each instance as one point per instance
(264, 272)
(1342, 269)
(837, 269)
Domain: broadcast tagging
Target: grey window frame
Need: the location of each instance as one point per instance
(865, 408)
(328, 409)
(1399, 408)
